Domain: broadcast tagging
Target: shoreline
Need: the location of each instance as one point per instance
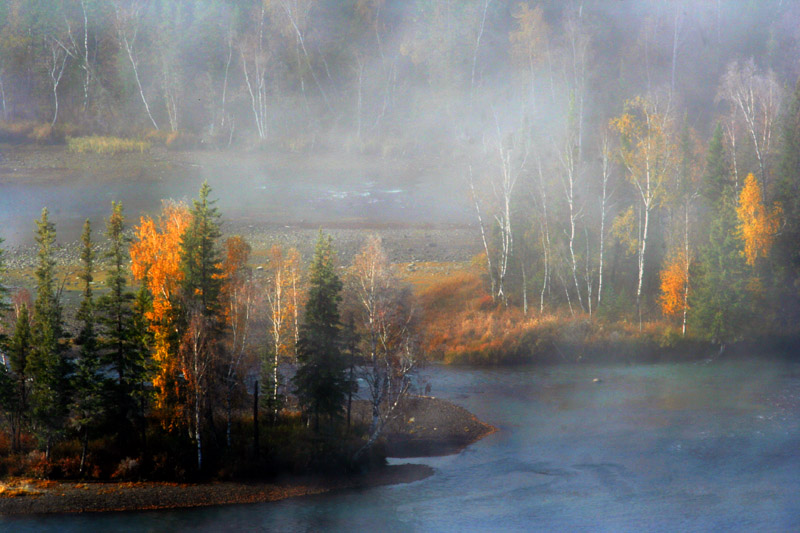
(71, 497)
(429, 427)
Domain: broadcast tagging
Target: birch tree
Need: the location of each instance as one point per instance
(647, 153)
(757, 98)
(255, 57)
(238, 296)
(127, 22)
(281, 312)
(386, 321)
(57, 61)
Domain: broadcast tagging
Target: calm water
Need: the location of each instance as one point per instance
(670, 447)
(272, 195)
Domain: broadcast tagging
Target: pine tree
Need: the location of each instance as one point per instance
(201, 256)
(787, 244)
(19, 350)
(202, 310)
(46, 364)
(115, 315)
(721, 305)
(321, 381)
(7, 382)
(88, 406)
(716, 180)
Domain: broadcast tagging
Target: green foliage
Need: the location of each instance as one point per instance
(115, 315)
(787, 244)
(47, 365)
(201, 256)
(720, 307)
(716, 180)
(321, 382)
(88, 406)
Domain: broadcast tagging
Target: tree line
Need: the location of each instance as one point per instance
(363, 72)
(183, 337)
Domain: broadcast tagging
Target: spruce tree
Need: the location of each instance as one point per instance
(201, 256)
(88, 405)
(787, 244)
(19, 350)
(6, 377)
(716, 180)
(721, 306)
(201, 320)
(46, 365)
(115, 315)
(321, 380)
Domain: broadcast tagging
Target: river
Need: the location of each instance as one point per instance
(247, 188)
(661, 447)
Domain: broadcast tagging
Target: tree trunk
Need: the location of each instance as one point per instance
(197, 432)
(256, 446)
(84, 449)
(642, 251)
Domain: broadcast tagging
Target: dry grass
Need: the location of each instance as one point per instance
(464, 325)
(96, 144)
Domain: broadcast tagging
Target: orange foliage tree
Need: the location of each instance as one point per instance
(238, 297)
(155, 261)
(674, 286)
(757, 226)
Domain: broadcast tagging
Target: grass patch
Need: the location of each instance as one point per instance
(96, 144)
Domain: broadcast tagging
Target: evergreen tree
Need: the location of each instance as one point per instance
(19, 350)
(787, 245)
(721, 306)
(46, 364)
(201, 320)
(115, 314)
(321, 380)
(4, 306)
(716, 180)
(201, 256)
(141, 341)
(88, 405)
(6, 378)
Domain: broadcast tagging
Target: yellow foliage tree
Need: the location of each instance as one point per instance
(647, 153)
(757, 226)
(155, 261)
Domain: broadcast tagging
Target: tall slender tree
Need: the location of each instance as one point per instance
(321, 381)
(202, 308)
(47, 364)
(116, 315)
(88, 405)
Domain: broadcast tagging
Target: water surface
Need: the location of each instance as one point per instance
(689, 446)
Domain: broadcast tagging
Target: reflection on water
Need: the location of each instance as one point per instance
(652, 447)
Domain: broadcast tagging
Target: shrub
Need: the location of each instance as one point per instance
(128, 468)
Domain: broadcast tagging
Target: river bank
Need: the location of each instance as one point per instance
(24, 496)
(426, 426)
